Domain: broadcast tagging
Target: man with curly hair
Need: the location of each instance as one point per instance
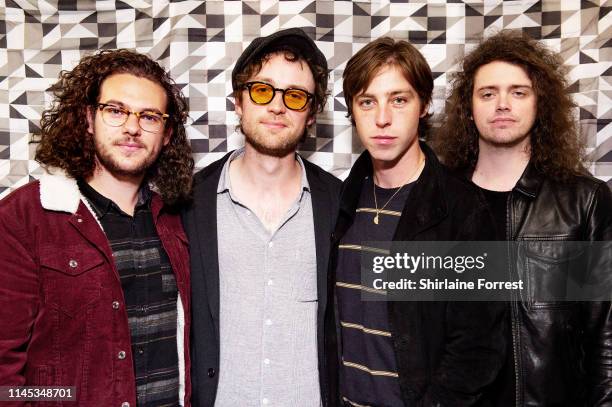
(259, 231)
(510, 128)
(94, 271)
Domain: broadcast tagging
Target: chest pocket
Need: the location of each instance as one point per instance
(72, 277)
(554, 271)
(304, 284)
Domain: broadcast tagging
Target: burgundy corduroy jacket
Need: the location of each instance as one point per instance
(62, 316)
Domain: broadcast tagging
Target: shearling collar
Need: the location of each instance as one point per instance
(59, 192)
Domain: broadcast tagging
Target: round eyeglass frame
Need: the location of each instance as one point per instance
(163, 116)
(249, 85)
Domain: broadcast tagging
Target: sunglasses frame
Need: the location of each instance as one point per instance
(249, 85)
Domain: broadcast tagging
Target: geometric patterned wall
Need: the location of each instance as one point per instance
(198, 42)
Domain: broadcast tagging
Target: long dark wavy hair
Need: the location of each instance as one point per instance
(65, 143)
(556, 149)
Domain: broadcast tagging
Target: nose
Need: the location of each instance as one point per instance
(503, 102)
(276, 105)
(383, 116)
(131, 125)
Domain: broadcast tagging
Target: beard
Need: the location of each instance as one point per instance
(268, 143)
(121, 166)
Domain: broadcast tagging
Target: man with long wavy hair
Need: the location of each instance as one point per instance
(510, 128)
(94, 278)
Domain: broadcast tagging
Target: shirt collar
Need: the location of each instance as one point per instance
(102, 205)
(224, 180)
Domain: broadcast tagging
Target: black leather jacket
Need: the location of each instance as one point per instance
(447, 353)
(563, 350)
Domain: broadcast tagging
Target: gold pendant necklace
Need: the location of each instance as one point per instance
(378, 211)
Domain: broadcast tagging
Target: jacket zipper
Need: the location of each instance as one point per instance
(514, 305)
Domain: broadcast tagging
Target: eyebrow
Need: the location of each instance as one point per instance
(494, 87)
(121, 104)
(410, 92)
(271, 82)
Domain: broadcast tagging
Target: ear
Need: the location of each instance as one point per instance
(425, 110)
(91, 116)
(167, 136)
(310, 120)
(238, 106)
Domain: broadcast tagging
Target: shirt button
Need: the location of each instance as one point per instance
(270, 282)
(140, 351)
(115, 304)
(121, 355)
(268, 322)
(271, 244)
(267, 361)
(73, 263)
(125, 404)
(265, 401)
(79, 220)
(211, 372)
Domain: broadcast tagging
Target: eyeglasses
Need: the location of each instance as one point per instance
(262, 93)
(148, 121)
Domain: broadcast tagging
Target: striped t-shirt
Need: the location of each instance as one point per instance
(368, 374)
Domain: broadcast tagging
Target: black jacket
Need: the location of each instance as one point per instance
(200, 222)
(563, 350)
(447, 353)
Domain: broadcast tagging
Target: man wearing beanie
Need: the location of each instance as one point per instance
(259, 230)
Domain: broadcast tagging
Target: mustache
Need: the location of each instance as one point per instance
(275, 120)
(129, 140)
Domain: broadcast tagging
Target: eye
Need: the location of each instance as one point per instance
(114, 111)
(520, 93)
(150, 117)
(365, 103)
(261, 88)
(296, 95)
(399, 100)
(486, 95)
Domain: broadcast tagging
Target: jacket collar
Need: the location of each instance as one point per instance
(529, 182)
(426, 204)
(59, 192)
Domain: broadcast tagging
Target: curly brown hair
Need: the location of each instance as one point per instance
(65, 143)
(556, 149)
(292, 54)
(367, 62)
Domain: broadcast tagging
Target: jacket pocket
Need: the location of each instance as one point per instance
(552, 270)
(39, 375)
(71, 277)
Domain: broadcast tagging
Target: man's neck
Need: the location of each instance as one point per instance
(500, 168)
(266, 184)
(265, 173)
(122, 191)
(403, 171)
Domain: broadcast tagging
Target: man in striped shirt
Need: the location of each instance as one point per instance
(399, 353)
